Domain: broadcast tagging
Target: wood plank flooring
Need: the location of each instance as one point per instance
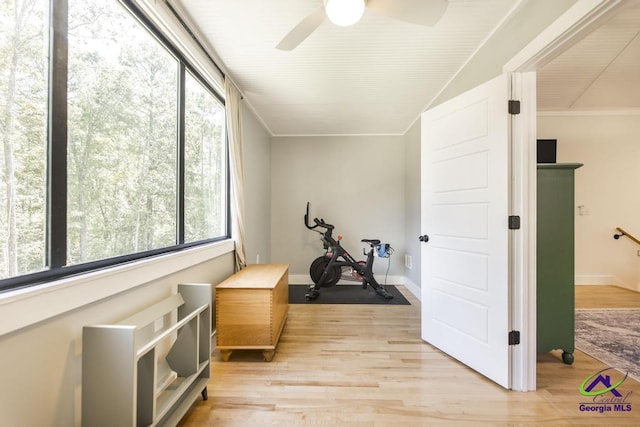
(365, 365)
(588, 296)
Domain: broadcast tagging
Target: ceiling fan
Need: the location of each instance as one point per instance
(348, 12)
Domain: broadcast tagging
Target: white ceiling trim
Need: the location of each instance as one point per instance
(184, 16)
(512, 12)
(258, 117)
(569, 113)
(563, 33)
(315, 135)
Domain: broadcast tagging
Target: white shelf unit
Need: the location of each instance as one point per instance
(148, 369)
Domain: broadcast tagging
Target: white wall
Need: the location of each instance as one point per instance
(354, 182)
(40, 365)
(412, 196)
(257, 171)
(607, 186)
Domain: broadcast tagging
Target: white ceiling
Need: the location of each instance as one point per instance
(377, 76)
(601, 72)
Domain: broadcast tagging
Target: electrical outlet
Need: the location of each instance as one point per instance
(408, 261)
(638, 252)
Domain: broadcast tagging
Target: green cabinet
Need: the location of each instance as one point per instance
(555, 258)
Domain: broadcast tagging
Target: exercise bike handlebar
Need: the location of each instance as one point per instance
(319, 222)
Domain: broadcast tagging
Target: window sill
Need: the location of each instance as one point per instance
(25, 307)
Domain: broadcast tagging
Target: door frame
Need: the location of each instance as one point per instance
(578, 21)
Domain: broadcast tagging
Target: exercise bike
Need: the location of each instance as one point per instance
(326, 270)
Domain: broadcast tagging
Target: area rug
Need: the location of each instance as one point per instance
(346, 294)
(611, 336)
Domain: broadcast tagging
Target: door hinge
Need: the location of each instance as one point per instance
(514, 337)
(514, 222)
(514, 106)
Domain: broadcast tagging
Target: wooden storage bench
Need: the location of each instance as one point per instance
(251, 309)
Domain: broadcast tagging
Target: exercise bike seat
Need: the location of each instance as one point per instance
(372, 242)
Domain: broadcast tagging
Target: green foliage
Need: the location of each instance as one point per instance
(122, 136)
(205, 163)
(23, 113)
(121, 144)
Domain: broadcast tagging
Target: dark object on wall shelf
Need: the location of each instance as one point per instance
(547, 150)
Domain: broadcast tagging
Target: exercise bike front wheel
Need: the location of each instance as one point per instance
(317, 268)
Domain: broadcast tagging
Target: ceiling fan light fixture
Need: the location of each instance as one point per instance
(344, 12)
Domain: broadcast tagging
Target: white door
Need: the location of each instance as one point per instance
(465, 190)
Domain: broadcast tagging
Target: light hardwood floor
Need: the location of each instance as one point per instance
(606, 297)
(365, 365)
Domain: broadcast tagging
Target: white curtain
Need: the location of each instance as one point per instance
(234, 133)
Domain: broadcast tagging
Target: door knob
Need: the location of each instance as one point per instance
(424, 238)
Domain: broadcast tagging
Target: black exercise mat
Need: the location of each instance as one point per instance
(346, 294)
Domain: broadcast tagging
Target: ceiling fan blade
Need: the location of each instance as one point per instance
(301, 31)
(421, 12)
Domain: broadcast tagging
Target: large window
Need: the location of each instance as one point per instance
(24, 26)
(205, 163)
(137, 166)
(122, 133)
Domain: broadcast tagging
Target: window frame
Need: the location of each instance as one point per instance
(56, 204)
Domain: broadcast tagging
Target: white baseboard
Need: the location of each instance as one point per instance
(603, 280)
(299, 279)
(413, 288)
(597, 279)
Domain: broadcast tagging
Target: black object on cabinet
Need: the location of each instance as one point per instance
(546, 150)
